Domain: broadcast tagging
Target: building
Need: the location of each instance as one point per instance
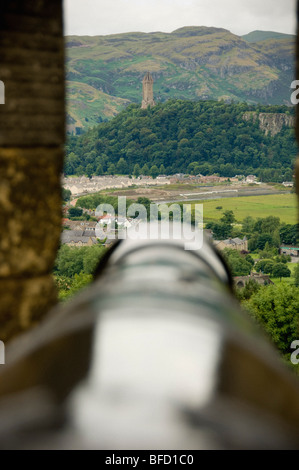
(79, 224)
(289, 250)
(251, 179)
(233, 243)
(147, 91)
(78, 238)
(263, 279)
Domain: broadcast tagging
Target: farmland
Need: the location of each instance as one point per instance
(283, 206)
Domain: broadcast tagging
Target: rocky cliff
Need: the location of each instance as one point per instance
(271, 123)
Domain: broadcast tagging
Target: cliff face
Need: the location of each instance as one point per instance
(271, 122)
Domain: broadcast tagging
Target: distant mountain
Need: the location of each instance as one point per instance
(256, 36)
(104, 73)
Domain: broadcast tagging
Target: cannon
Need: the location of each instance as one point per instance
(155, 353)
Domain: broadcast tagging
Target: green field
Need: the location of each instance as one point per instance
(285, 280)
(283, 206)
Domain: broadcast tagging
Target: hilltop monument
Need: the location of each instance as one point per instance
(147, 91)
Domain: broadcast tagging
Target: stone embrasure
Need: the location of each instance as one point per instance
(24, 302)
(32, 130)
(32, 69)
(30, 210)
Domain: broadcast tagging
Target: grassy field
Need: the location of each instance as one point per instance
(285, 280)
(283, 206)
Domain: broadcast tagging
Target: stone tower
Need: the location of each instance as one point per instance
(147, 91)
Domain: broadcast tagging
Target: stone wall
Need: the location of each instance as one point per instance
(31, 157)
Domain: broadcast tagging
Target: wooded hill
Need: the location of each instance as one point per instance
(185, 137)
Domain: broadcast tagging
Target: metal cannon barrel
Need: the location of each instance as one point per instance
(156, 353)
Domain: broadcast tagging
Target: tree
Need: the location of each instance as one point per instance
(289, 234)
(280, 270)
(89, 170)
(269, 224)
(74, 260)
(137, 170)
(283, 259)
(276, 238)
(68, 287)
(276, 308)
(92, 257)
(265, 266)
(147, 204)
(236, 262)
(263, 239)
(162, 170)
(249, 259)
(248, 224)
(296, 275)
(267, 252)
(69, 261)
(220, 231)
(122, 167)
(245, 293)
(75, 212)
(228, 217)
(145, 170)
(99, 169)
(239, 267)
(66, 194)
(79, 170)
(111, 169)
(154, 171)
(252, 242)
(268, 267)
(71, 163)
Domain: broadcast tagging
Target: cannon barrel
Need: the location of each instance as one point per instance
(156, 353)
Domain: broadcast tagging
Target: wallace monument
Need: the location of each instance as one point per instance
(147, 91)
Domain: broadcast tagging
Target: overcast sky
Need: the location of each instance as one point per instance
(101, 17)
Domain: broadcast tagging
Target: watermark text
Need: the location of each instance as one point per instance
(2, 353)
(155, 222)
(2, 93)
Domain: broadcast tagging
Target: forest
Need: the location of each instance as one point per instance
(179, 136)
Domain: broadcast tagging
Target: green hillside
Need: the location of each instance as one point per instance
(88, 106)
(182, 136)
(256, 36)
(190, 63)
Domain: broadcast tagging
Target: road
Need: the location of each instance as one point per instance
(220, 194)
